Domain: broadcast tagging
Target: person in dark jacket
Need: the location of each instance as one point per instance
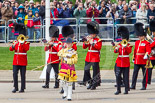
(42, 10)
(125, 14)
(65, 12)
(151, 12)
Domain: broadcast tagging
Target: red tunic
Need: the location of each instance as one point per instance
(152, 45)
(141, 48)
(93, 54)
(20, 56)
(53, 57)
(123, 56)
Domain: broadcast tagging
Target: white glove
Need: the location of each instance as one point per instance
(117, 48)
(65, 59)
(55, 44)
(69, 55)
(145, 57)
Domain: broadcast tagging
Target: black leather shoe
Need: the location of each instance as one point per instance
(14, 90)
(69, 99)
(143, 88)
(62, 91)
(55, 87)
(149, 83)
(89, 86)
(45, 86)
(82, 83)
(132, 88)
(115, 85)
(21, 91)
(63, 97)
(93, 87)
(117, 92)
(73, 87)
(126, 92)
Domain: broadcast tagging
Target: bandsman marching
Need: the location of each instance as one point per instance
(53, 60)
(94, 44)
(123, 61)
(152, 45)
(20, 47)
(141, 54)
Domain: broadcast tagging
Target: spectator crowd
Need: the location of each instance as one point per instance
(32, 13)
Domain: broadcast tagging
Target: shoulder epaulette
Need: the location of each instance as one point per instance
(59, 42)
(74, 42)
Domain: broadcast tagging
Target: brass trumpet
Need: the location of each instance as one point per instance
(86, 39)
(21, 38)
(124, 42)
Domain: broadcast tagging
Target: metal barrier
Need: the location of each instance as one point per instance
(130, 27)
(106, 31)
(34, 33)
(3, 31)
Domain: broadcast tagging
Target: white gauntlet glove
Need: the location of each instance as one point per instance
(65, 59)
(145, 57)
(69, 55)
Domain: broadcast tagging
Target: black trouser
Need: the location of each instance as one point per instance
(48, 71)
(122, 82)
(22, 69)
(150, 71)
(96, 73)
(125, 72)
(135, 75)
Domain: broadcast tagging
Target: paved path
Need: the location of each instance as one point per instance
(104, 94)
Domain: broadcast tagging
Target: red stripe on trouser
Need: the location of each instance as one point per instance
(146, 77)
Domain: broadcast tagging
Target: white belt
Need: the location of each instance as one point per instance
(93, 51)
(21, 53)
(123, 56)
(53, 52)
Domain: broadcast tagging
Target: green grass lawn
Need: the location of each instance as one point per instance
(36, 57)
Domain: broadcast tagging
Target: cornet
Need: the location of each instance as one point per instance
(124, 42)
(86, 39)
(21, 38)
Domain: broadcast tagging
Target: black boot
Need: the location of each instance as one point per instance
(62, 91)
(69, 99)
(117, 92)
(82, 83)
(56, 84)
(143, 88)
(89, 86)
(63, 97)
(126, 92)
(73, 86)
(132, 87)
(14, 90)
(93, 87)
(45, 86)
(21, 91)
